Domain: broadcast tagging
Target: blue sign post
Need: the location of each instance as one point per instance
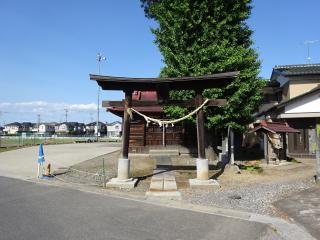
(40, 161)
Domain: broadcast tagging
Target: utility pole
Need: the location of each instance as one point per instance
(38, 121)
(66, 114)
(100, 57)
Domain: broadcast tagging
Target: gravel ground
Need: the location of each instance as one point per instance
(248, 191)
(257, 197)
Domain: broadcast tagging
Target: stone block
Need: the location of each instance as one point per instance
(170, 185)
(117, 183)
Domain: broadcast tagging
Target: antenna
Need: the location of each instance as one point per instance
(308, 43)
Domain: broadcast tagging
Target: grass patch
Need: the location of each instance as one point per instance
(251, 168)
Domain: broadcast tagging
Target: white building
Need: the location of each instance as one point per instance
(46, 128)
(12, 128)
(62, 128)
(114, 129)
(91, 128)
(70, 128)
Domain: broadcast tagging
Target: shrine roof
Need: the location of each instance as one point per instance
(149, 84)
(274, 127)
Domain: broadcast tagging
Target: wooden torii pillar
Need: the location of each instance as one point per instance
(202, 163)
(123, 178)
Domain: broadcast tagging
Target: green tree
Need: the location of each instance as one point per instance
(200, 37)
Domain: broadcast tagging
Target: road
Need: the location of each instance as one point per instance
(22, 163)
(304, 207)
(36, 211)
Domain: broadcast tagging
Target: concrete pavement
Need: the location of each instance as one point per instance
(22, 163)
(34, 211)
(304, 208)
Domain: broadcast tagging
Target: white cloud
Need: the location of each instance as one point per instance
(46, 107)
(83, 107)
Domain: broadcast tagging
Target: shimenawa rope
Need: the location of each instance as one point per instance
(161, 122)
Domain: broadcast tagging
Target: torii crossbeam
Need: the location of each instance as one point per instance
(163, 86)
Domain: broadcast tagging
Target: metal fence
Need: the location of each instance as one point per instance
(10, 141)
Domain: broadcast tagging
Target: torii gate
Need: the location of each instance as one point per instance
(163, 86)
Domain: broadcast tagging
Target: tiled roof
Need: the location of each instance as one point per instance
(299, 69)
(13, 124)
(274, 127)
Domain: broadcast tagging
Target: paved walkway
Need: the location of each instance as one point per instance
(304, 208)
(22, 163)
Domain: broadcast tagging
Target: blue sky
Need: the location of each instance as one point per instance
(48, 49)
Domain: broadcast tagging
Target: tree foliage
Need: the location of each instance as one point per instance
(200, 37)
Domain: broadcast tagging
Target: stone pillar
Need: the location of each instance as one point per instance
(231, 147)
(123, 179)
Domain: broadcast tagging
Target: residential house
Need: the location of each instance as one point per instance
(12, 128)
(70, 128)
(64, 128)
(92, 129)
(35, 128)
(1, 130)
(114, 129)
(47, 128)
(26, 126)
(293, 96)
(81, 129)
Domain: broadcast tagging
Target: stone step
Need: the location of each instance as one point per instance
(163, 184)
(164, 152)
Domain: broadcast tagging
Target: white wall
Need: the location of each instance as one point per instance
(310, 104)
(114, 130)
(11, 129)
